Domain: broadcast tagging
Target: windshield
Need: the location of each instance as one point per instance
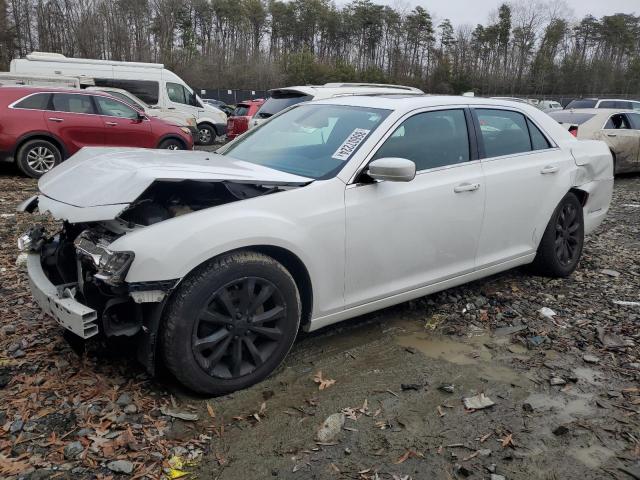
(279, 101)
(572, 118)
(314, 141)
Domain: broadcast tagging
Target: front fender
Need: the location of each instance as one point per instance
(307, 221)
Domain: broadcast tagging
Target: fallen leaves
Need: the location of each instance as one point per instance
(408, 454)
(507, 441)
(323, 383)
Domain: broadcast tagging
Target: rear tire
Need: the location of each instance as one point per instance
(171, 144)
(206, 134)
(561, 245)
(231, 323)
(37, 157)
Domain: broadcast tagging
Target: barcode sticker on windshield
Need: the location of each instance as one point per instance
(345, 150)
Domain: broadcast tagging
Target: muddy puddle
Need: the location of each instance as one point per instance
(387, 369)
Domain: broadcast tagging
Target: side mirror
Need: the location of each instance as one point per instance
(392, 169)
(141, 116)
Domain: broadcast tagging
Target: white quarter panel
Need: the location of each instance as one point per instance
(401, 236)
(308, 221)
(520, 200)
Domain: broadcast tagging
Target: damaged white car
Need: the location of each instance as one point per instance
(331, 209)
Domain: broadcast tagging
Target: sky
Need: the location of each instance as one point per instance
(477, 11)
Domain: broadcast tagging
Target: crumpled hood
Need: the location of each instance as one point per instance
(98, 176)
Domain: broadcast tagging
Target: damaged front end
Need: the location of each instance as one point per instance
(78, 278)
(80, 282)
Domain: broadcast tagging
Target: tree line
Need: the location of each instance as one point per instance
(525, 47)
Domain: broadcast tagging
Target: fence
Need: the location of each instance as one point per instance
(230, 96)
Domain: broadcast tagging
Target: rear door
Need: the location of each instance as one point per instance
(72, 118)
(526, 176)
(123, 126)
(623, 139)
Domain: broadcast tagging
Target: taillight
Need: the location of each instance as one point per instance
(573, 131)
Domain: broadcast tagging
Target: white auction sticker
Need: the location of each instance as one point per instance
(345, 150)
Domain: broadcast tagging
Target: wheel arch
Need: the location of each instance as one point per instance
(40, 135)
(171, 136)
(208, 123)
(291, 262)
(581, 194)
(149, 344)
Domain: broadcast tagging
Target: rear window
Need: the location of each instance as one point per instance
(68, 102)
(38, 101)
(241, 111)
(615, 104)
(279, 101)
(572, 118)
(582, 104)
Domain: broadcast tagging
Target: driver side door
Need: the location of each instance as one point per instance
(403, 236)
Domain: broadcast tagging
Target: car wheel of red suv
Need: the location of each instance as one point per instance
(171, 144)
(37, 157)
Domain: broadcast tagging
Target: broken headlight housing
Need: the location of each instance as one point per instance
(112, 267)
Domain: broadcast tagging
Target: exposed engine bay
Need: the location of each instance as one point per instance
(165, 200)
(77, 259)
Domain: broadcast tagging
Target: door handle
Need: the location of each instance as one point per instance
(466, 187)
(55, 119)
(111, 124)
(549, 169)
(612, 134)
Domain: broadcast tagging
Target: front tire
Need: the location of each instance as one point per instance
(561, 245)
(206, 134)
(231, 323)
(37, 157)
(171, 144)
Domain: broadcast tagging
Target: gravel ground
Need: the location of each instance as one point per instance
(564, 385)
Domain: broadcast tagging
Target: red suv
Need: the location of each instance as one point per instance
(40, 127)
(238, 122)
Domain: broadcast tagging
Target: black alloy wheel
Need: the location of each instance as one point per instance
(560, 248)
(230, 323)
(239, 328)
(567, 234)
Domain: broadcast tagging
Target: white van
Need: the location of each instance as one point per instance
(281, 98)
(151, 82)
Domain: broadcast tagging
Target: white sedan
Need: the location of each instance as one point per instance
(332, 209)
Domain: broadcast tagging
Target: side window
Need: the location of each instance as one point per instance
(538, 140)
(430, 139)
(113, 108)
(145, 90)
(38, 101)
(178, 94)
(635, 120)
(617, 122)
(72, 103)
(126, 99)
(503, 132)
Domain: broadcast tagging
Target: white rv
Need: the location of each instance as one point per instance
(8, 79)
(149, 81)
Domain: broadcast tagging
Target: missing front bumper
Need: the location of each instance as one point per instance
(56, 301)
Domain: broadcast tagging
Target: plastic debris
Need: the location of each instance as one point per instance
(330, 428)
(478, 402)
(547, 312)
(188, 417)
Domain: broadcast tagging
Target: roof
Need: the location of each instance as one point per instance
(27, 89)
(597, 111)
(395, 102)
(349, 88)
